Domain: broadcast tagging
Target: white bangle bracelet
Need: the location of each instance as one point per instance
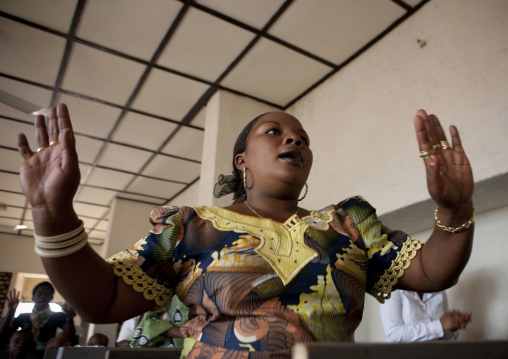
(61, 245)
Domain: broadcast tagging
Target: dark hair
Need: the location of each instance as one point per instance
(43, 284)
(239, 192)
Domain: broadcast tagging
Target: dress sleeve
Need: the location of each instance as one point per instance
(389, 252)
(148, 265)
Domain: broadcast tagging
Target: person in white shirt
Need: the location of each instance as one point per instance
(414, 317)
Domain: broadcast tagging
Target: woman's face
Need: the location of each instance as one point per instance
(277, 153)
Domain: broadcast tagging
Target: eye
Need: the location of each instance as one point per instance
(273, 131)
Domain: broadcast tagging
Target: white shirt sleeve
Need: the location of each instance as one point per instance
(406, 318)
(127, 329)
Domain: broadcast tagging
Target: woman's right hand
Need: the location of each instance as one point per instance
(50, 177)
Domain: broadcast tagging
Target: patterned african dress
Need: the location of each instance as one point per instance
(254, 286)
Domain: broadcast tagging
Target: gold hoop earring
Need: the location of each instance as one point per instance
(306, 190)
(245, 179)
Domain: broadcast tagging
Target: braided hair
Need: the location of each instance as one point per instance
(239, 192)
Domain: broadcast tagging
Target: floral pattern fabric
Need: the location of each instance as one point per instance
(255, 287)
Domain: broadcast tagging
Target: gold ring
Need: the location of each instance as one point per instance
(445, 145)
(40, 149)
(54, 143)
(437, 147)
(426, 154)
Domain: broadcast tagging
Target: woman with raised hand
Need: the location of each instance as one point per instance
(263, 273)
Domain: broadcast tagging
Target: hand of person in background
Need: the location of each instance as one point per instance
(455, 320)
(68, 310)
(13, 300)
(449, 175)
(50, 176)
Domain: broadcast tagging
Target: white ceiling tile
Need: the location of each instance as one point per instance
(95, 195)
(12, 199)
(87, 149)
(164, 167)
(412, 3)
(101, 75)
(10, 182)
(12, 212)
(10, 160)
(156, 188)
(97, 234)
(168, 95)
(141, 198)
(253, 13)
(347, 24)
(102, 225)
(91, 118)
(33, 94)
(7, 225)
(129, 26)
(187, 143)
(89, 210)
(10, 131)
(124, 158)
(274, 73)
(204, 45)
(200, 118)
(54, 14)
(26, 50)
(27, 232)
(109, 179)
(87, 221)
(83, 169)
(143, 131)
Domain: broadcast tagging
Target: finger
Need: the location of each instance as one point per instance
(53, 130)
(456, 143)
(23, 147)
(421, 130)
(41, 132)
(438, 129)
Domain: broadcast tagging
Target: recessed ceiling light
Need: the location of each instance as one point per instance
(20, 226)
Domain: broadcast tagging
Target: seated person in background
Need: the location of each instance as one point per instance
(42, 322)
(160, 329)
(98, 340)
(416, 317)
(126, 330)
(21, 345)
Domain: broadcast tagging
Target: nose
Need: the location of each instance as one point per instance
(292, 138)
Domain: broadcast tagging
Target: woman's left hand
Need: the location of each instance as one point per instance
(449, 175)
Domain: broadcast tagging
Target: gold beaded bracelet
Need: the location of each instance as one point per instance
(458, 229)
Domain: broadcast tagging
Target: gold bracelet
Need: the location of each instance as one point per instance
(458, 229)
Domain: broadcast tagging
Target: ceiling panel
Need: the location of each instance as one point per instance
(348, 24)
(137, 76)
(155, 188)
(26, 50)
(274, 73)
(129, 26)
(99, 74)
(253, 13)
(168, 95)
(54, 14)
(124, 158)
(164, 167)
(91, 118)
(204, 46)
(187, 143)
(143, 131)
(10, 160)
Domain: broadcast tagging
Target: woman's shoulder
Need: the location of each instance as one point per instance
(168, 213)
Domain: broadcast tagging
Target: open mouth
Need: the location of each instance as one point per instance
(291, 155)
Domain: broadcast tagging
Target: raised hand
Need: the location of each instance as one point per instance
(50, 176)
(449, 175)
(13, 300)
